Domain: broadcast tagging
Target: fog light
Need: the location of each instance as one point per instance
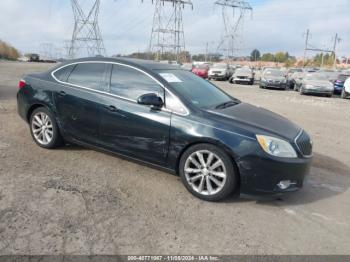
(284, 184)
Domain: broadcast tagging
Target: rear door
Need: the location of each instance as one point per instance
(129, 128)
(79, 97)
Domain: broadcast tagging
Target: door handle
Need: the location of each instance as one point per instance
(62, 93)
(111, 108)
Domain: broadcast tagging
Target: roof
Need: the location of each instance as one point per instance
(146, 64)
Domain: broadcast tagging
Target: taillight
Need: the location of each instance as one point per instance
(21, 83)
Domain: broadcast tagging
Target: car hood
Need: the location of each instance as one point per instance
(322, 83)
(279, 78)
(242, 74)
(199, 70)
(259, 119)
(218, 70)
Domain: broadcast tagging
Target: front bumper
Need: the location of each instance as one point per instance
(274, 85)
(261, 175)
(217, 76)
(318, 91)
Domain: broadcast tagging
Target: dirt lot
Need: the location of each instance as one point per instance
(78, 201)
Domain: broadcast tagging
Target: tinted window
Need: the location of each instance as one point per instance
(64, 73)
(131, 83)
(196, 90)
(90, 75)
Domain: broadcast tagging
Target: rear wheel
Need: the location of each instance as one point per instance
(208, 173)
(44, 129)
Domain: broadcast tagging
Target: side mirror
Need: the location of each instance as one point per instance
(150, 100)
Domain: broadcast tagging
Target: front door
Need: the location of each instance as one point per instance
(129, 128)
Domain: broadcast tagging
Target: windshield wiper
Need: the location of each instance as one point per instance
(227, 104)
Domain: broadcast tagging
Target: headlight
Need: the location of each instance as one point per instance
(276, 147)
(309, 86)
(284, 81)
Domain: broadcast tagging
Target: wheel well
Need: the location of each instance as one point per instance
(235, 166)
(31, 109)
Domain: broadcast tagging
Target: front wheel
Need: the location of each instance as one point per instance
(208, 172)
(44, 129)
(343, 94)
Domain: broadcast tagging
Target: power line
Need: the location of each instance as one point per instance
(232, 39)
(167, 34)
(86, 38)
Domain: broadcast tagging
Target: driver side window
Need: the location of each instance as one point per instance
(130, 83)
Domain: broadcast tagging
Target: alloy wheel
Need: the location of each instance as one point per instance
(205, 172)
(42, 128)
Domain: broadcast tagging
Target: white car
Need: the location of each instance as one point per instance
(346, 90)
(220, 71)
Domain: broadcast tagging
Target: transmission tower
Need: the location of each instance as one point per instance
(233, 14)
(86, 38)
(168, 35)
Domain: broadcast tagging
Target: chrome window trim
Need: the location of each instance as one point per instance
(296, 144)
(121, 97)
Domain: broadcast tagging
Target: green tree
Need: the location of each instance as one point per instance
(268, 57)
(8, 52)
(255, 55)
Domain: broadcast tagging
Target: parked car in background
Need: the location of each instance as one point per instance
(220, 71)
(201, 70)
(289, 78)
(273, 78)
(346, 90)
(168, 118)
(242, 75)
(339, 83)
(187, 66)
(316, 83)
(330, 74)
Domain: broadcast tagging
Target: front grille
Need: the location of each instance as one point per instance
(304, 144)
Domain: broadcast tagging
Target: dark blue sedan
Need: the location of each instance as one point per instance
(167, 118)
(339, 83)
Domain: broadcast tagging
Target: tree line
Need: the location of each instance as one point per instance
(8, 52)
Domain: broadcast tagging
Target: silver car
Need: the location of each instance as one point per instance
(220, 71)
(242, 75)
(316, 83)
(273, 78)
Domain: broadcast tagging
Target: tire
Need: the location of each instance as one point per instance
(343, 94)
(51, 138)
(219, 186)
(295, 88)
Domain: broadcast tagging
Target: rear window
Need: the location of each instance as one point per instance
(64, 73)
(91, 75)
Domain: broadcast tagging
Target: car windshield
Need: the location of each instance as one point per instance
(343, 77)
(273, 73)
(201, 67)
(196, 90)
(221, 66)
(294, 70)
(316, 76)
(243, 71)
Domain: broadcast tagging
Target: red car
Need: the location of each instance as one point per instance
(201, 71)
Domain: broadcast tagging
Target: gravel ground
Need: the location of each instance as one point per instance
(78, 201)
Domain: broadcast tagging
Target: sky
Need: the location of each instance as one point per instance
(275, 25)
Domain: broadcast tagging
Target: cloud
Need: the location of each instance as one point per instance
(277, 25)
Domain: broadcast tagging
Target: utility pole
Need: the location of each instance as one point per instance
(336, 40)
(306, 46)
(232, 39)
(206, 52)
(86, 38)
(167, 36)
